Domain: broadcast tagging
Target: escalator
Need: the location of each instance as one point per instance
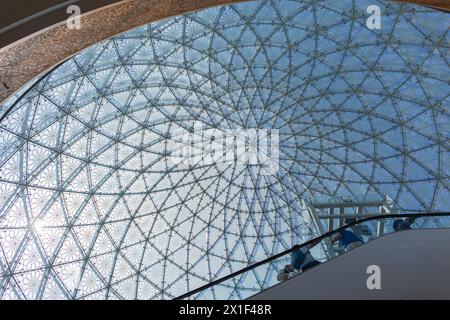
(409, 264)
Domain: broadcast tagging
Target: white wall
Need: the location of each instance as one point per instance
(414, 264)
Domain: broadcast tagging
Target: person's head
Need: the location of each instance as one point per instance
(284, 274)
(336, 237)
(396, 224)
(400, 224)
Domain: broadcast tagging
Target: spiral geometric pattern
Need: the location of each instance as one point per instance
(91, 208)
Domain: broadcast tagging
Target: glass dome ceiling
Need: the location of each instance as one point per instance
(90, 206)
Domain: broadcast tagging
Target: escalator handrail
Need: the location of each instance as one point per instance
(315, 240)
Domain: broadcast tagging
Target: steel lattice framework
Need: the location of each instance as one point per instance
(90, 208)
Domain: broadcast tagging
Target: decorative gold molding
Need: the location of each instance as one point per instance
(437, 4)
(22, 61)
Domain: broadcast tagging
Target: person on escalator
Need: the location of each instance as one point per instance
(301, 260)
(349, 240)
(400, 224)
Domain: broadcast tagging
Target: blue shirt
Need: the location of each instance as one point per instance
(301, 257)
(349, 237)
